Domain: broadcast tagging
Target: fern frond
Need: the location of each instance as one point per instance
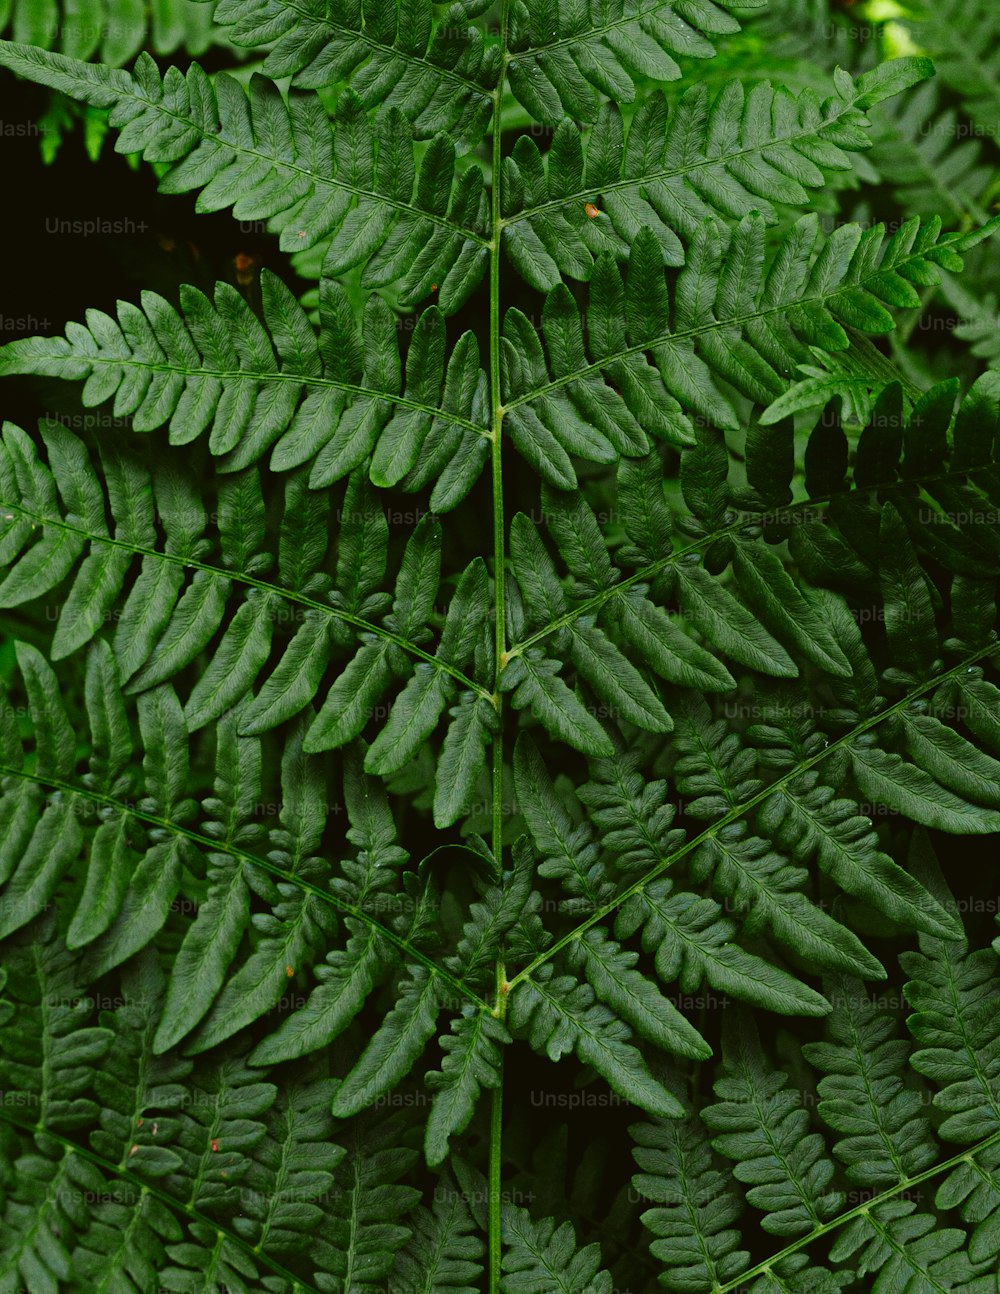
(559, 1013)
(502, 903)
(760, 1125)
(443, 1252)
(744, 868)
(354, 182)
(952, 992)
(633, 816)
(87, 28)
(945, 520)
(206, 990)
(394, 1048)
(276, 388)
(433, 67)
(917, 148)
(889, 1141)
(978, 319)
(730, 322)
(542, 1258)
(49, 1054)
(471, 1062)
(886, 1136)
(727, 318)
(635, 999)
(42, 1228)
(158, 1166)
(812, 821)
(968, 67)
(695, 1205)
(743, 150)
(559, 58)
(367, 1233)
(693, 943)
(286, 1191)
(163, 625)
(703, 695)
(298, 923)
(570, 852)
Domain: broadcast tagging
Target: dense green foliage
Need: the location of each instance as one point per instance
(567, 627)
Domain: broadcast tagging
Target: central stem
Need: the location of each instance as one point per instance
(500, 634)
(497, 404)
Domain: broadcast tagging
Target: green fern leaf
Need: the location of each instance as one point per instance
(323, 183)
(693, 943)
(559, 60)
(746, 150)
(684, 684)
(80, 30)
(395, 1047)
(471, 1062)
(328, 401)
(560, 1013)
(543, 1257)
(439, 73)
(679, 1179)
(759, 1125)
(211, 943)
(443, 1253)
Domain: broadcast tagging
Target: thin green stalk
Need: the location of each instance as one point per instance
(496, 1143)
(499, 538)
(496, 1158)
(499, 629)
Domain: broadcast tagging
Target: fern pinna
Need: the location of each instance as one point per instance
(566, 627)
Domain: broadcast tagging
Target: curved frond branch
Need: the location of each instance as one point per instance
(183, 368)
(353, 181)
(563, 58)
(81, 30)
(440, 75)
(232, 850)
(741, 809)
(9, 509)
(746, 148)
(647, 573)
(856, 274)
(860, 1210)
